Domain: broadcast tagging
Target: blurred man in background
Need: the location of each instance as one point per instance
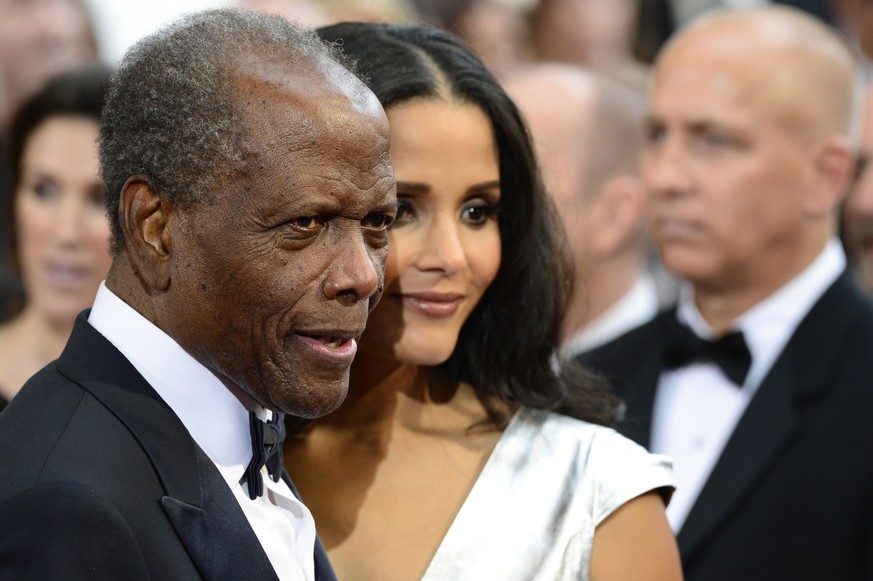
(587, 130)
(858, 210)
(758, 383)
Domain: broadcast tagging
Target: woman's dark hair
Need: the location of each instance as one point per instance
(507, 348)
(78, 93)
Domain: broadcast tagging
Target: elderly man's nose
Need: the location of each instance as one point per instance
(355, 275)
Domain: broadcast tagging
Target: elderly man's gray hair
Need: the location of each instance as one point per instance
(171, 116)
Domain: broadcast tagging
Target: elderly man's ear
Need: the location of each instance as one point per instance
(146, 221)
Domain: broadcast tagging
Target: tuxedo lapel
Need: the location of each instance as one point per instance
(762, 432)
(637, 424)
(644, 377)
(632, 366)
(799, 376)
(216, 533)
(198, 503)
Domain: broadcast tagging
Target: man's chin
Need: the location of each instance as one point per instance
(311, 404)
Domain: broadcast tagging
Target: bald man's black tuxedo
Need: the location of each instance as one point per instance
(99, 479)
(791, 497)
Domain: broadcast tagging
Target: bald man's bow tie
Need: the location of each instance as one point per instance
(729, 352)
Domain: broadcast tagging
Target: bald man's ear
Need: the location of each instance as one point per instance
(834, 164)
(619, 215)
(145, 224)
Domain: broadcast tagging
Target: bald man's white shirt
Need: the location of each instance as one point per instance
(697, 407)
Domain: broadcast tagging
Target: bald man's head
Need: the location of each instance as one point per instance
(748, 149)
(793, 64)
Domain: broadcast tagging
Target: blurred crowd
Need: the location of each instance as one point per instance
(617, 39)
(585, 75)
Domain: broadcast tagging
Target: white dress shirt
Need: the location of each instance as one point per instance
(219, 423)
(637, 306)
(697, 407)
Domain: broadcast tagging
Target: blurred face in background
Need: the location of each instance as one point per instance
(865, 24)
(497, 33)
(39, 38)
(726, 178)
(856, 18)
(590, 32)
(858, 211)
(62, 231)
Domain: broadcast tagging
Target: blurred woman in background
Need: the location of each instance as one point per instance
(56, 215)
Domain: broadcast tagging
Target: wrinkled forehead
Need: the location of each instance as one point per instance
(312, 98)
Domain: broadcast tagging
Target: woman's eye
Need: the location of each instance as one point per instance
(477, 213)
(377, 221)
(45, 190)
(405, 213)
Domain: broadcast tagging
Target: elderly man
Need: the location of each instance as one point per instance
(588, 134)
(249, 190)
(759, 384)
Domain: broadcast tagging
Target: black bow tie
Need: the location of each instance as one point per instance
(267, 438)
(729, 352)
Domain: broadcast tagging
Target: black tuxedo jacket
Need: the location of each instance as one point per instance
(791, 497)
(99, 479)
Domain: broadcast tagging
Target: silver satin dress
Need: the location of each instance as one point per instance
(532, 512)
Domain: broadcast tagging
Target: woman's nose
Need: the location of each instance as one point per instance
(69, 220)
(443, 248)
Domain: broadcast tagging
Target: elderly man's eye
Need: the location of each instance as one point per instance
(377, 221)
(307, 223)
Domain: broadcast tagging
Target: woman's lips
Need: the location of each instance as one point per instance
(436, 305)
(65, 276)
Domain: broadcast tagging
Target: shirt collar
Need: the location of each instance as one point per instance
(214, 417)
(769, 325)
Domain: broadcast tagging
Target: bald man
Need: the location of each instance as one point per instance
(588, 134)
(760, 383)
